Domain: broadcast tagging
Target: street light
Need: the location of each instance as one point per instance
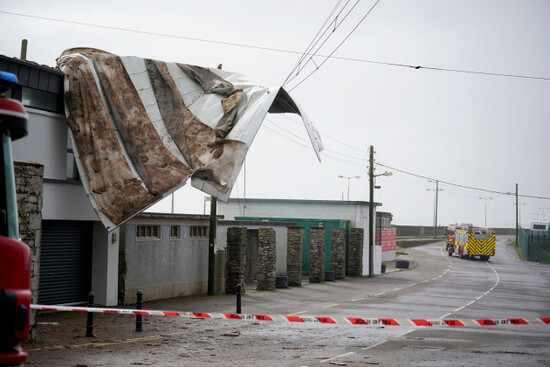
(371, 207)
(543, 217)
(483, 198)
(437, 190)
(349, 178)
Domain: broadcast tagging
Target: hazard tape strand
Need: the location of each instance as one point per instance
(304, 319)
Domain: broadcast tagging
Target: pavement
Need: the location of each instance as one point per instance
(67, 330)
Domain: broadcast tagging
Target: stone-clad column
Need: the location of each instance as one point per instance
(267, 259)
(317, 255)
(28, 185)
(295, 237)
(235, 259)
(338, 253)
(355, 256)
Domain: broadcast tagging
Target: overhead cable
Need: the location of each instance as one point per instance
(337, 47)
(272, 49)
(316, 40)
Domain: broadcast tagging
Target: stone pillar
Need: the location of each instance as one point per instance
(338, 253)
(295, 237)
(317, 255)
(235, 259)
(28, 185)
(267, 259)
(355, 256)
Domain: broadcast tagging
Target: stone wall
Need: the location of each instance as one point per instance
(355, 255)
(235, 259)
(295, 237)
(317, 255)
(28, 184)
(338, 253)
(267, 259)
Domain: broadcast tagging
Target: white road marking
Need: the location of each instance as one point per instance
(340, 356)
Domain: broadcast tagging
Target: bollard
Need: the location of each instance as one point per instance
(238, 299)
(90, 320)
(139, 306)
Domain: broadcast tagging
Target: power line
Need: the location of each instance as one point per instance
(349, 163)
(280, 50)
(464, 186)
(312, 44)
(337, 47)
(315, 42)
(307, 141)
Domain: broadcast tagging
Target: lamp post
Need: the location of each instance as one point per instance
(483, 198)
(437, 189)
(371, 208)
(349, 178)
(543, 216)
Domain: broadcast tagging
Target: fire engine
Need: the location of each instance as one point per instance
(469, 241)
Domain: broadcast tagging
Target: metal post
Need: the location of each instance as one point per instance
(90, 319)
(238, 299)
(139, 306)
(24, 44)
(371, 207)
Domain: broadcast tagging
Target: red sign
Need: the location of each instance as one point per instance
(386, 239)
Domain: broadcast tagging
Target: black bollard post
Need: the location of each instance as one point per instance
(238, 299)
(139, 306)
(90, 320)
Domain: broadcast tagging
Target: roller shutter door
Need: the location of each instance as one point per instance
(65, 262)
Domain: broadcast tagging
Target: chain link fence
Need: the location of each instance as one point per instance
(535, 246)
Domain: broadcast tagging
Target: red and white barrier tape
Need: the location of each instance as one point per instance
(304, 319)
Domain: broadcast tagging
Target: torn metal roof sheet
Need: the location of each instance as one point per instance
(141, 128)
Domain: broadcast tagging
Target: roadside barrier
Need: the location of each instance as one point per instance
(304, 319)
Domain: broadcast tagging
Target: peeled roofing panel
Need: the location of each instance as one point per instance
(142, 127)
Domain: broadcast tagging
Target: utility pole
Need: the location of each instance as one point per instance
(211, 243)
(212, 240)
(436, 203)
(517, 215)
(371, 207)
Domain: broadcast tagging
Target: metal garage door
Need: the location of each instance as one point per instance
(65, 262)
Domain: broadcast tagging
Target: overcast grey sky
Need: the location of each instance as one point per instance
(483, 131)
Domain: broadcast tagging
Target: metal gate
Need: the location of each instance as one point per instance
(65, 262)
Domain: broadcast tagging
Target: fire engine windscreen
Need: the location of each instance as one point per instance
(140, 127)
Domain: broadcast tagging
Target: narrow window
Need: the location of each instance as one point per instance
(175, 232)
(198, 232)
(146, 232)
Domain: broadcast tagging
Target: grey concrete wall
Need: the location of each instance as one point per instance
(163, 268)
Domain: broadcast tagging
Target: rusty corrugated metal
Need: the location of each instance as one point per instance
(141, 128)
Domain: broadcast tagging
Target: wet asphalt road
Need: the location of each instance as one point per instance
(439, 287)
